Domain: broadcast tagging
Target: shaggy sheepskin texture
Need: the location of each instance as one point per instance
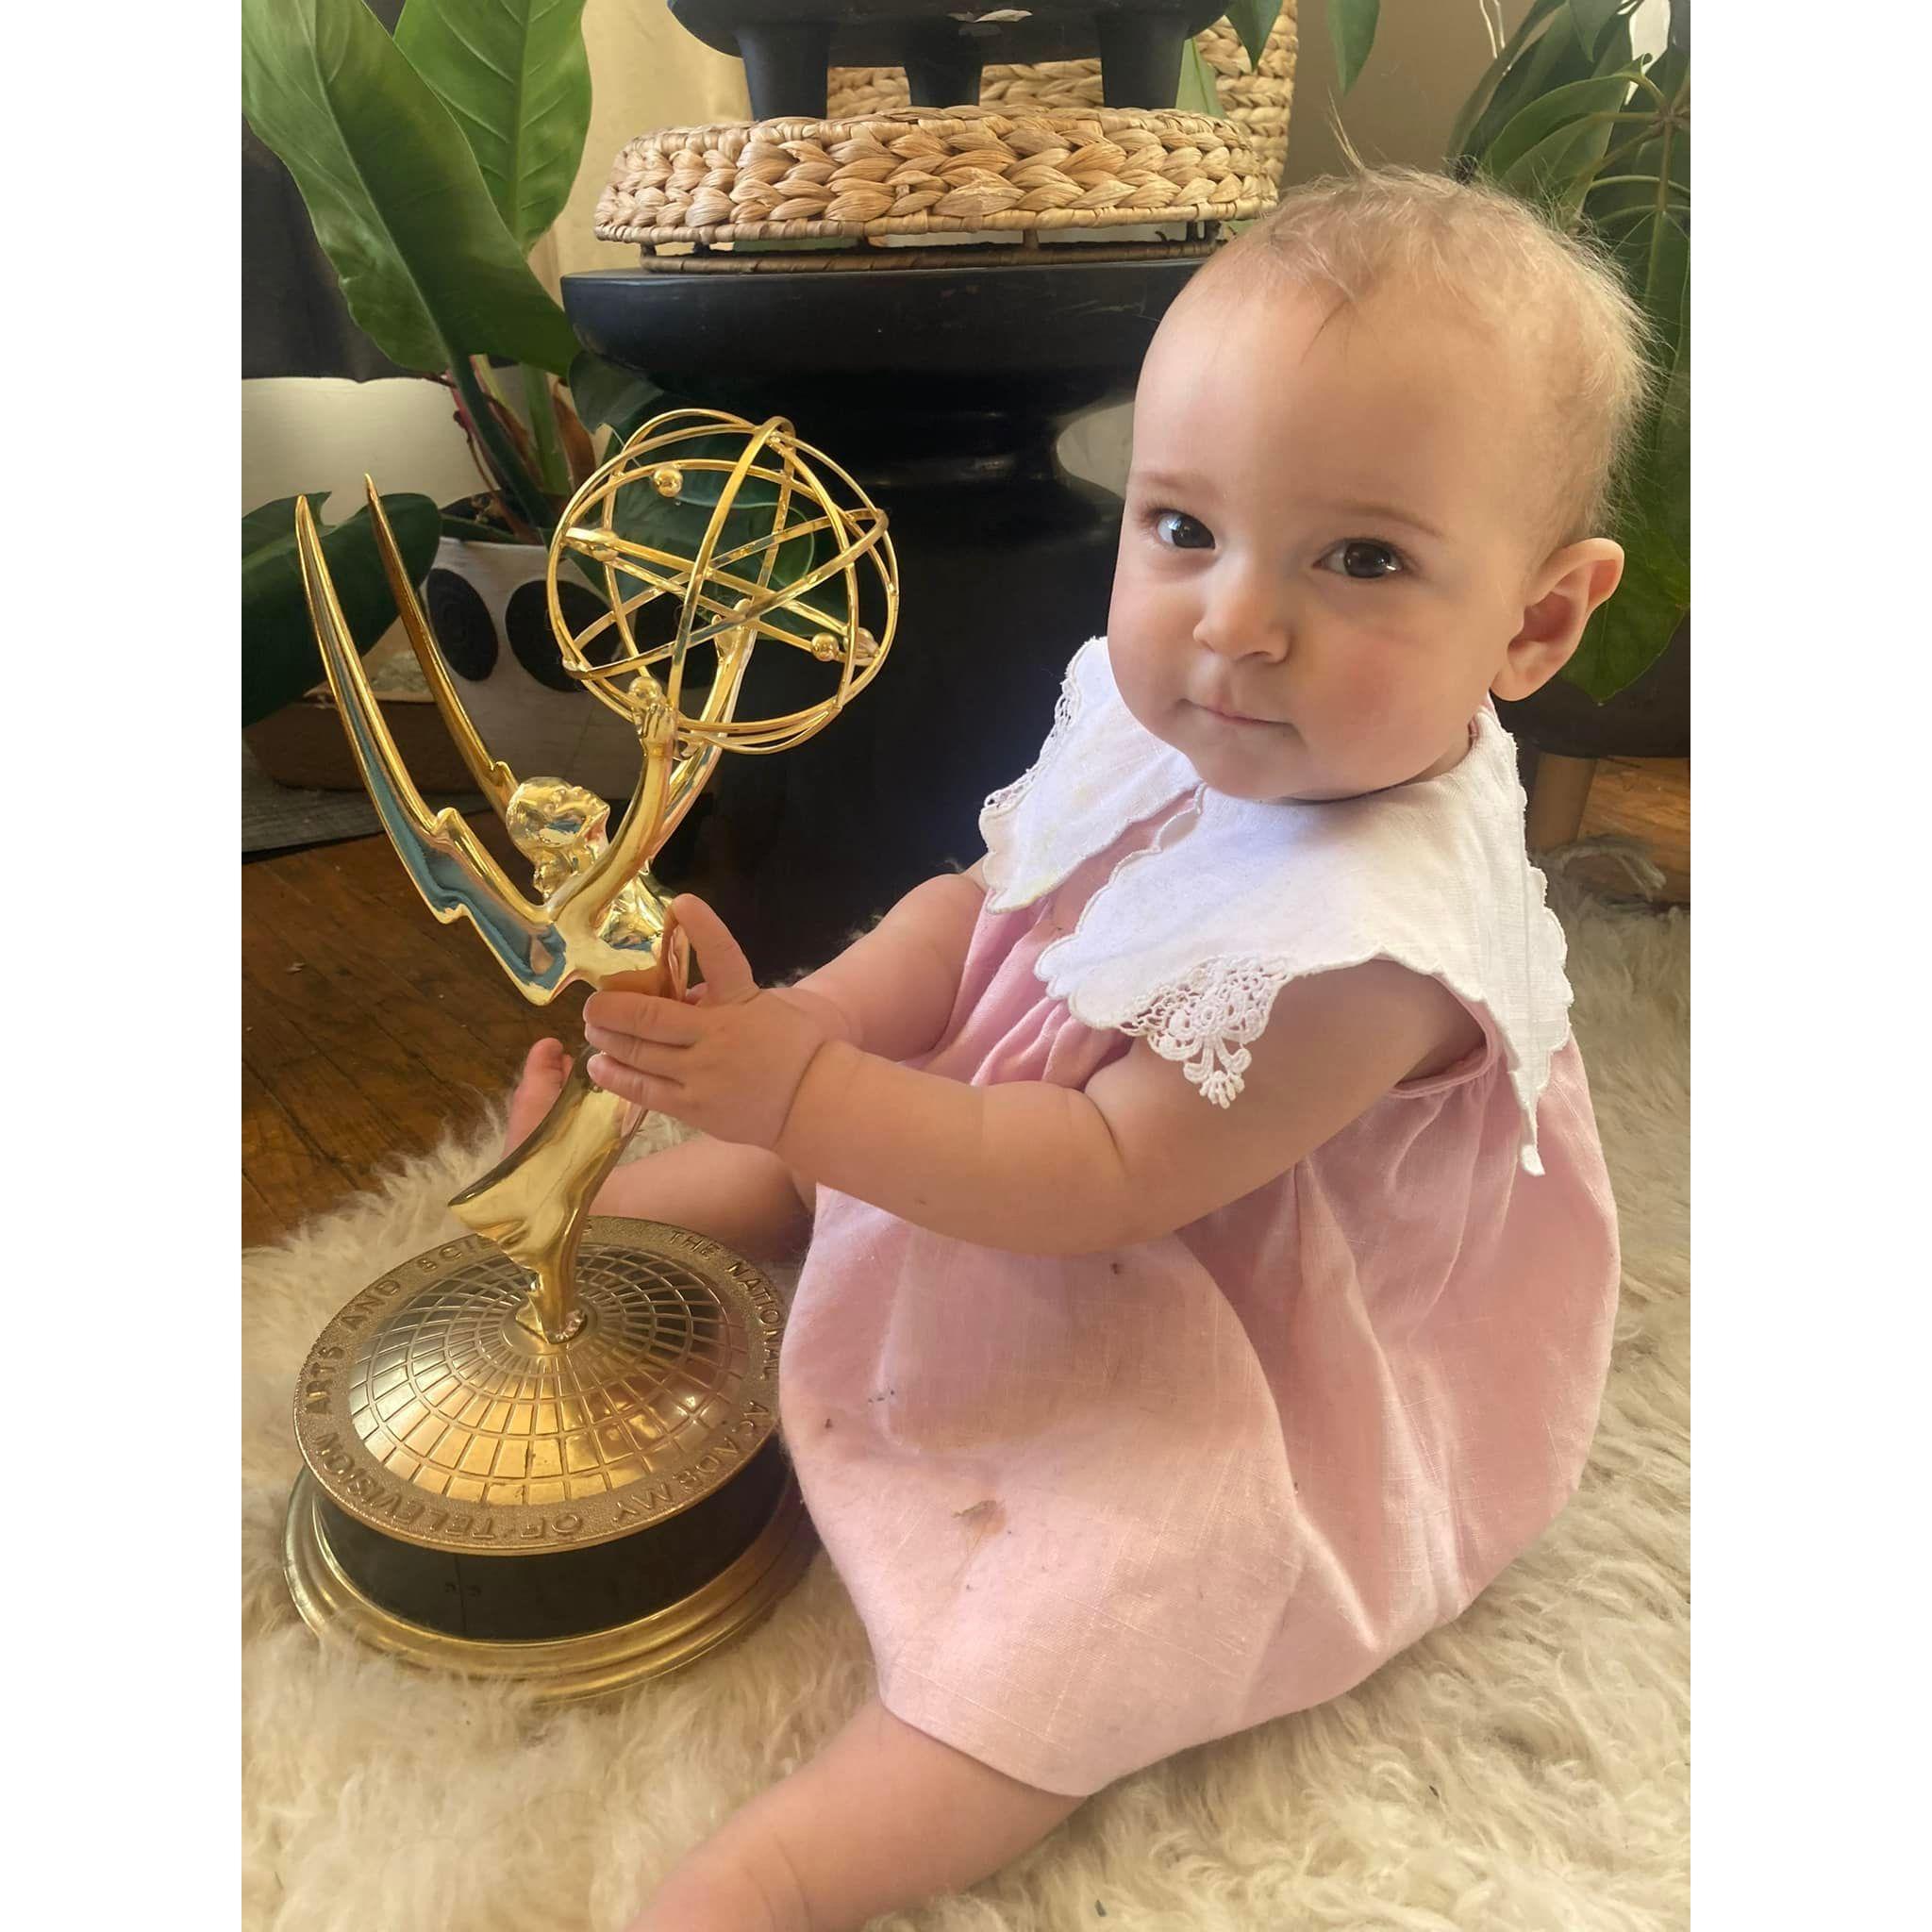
(1522, 1770)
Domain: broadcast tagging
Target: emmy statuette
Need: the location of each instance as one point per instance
(547, 1451)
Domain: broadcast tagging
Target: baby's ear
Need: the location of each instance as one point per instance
(1569, 587)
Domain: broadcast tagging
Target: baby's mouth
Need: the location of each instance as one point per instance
(1240, 718)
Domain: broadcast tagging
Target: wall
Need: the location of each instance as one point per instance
(1427, 56)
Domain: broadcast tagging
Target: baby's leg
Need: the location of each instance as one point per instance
(742, 1196)
(884, 1816)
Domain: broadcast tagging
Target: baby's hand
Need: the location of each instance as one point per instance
(728, 1063)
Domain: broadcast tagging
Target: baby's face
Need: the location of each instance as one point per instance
(1329, 543)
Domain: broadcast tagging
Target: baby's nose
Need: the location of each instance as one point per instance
(1245, 620)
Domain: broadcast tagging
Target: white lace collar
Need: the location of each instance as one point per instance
(1188, 942)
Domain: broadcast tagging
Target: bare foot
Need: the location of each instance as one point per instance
(883, 1817)
(546, 1069)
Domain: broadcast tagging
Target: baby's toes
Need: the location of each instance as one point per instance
(546, 1069)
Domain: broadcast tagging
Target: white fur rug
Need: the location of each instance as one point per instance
(1523, 1771)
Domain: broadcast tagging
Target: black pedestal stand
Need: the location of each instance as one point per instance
(942, 47)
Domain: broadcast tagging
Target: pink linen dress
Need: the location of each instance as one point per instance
(1095, 1509)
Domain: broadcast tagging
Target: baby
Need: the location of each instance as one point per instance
(1211, 1263)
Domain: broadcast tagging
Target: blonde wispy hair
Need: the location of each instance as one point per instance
(1558, 298)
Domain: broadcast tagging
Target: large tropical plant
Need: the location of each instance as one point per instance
(430, 163)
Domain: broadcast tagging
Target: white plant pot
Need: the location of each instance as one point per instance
(487, 607)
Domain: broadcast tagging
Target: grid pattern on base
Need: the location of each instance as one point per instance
(454, 1398)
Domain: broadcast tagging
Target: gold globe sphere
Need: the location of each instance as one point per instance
(788, 547)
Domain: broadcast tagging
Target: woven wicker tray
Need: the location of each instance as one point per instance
(928, 170)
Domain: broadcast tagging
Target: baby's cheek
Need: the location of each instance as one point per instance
(1388, 712)
(1140, 674)
(1370, 698)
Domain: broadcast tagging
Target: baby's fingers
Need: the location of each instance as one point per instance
(646, 1056)
(632, 1083)
(641, 1016)
(728, 972)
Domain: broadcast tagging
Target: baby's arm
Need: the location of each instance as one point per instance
(1138, 1152)
(891, 991)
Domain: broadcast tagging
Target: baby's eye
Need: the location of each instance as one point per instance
(1180, 531)
(1365, 558)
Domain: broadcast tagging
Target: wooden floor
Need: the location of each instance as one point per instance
(1647, 800)
(367, 1029)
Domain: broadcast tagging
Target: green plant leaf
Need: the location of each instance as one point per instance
(551, 472)
(262, 527)
(1613, 51)
(399, 205)
(279, 657)
(1254, 20)
(1664, 289)
(1643, 213)
(469, 530)
(678, 523)
(1196, 92)
(516, 81)
(1625, 636)
(519, 490)
(1643, 184)
(1515, 76)
(1547, 153)
(1352, 33)
(1591, 19)
(1555, 174)
(603, 394)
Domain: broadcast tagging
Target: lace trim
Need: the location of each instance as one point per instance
(1206, 1018)
(1066, 707)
